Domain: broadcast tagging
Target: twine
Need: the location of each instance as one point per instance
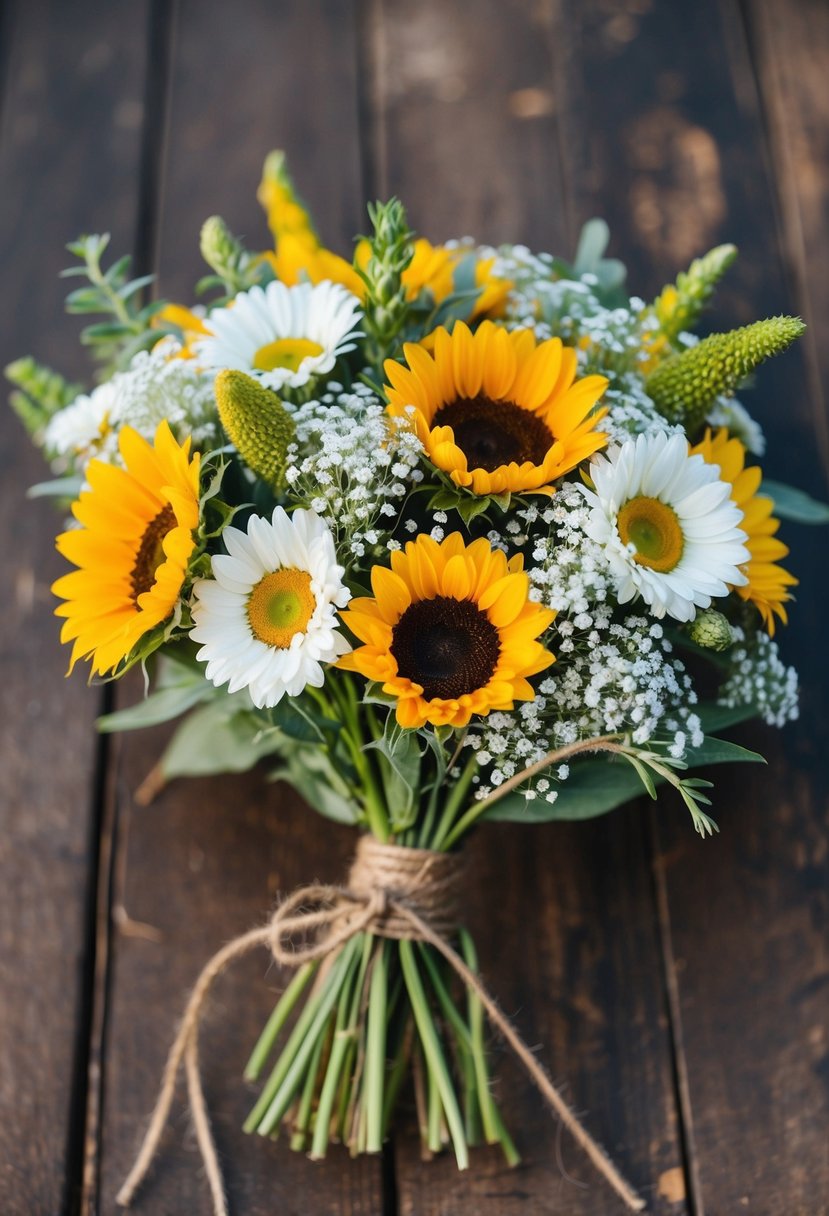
(392, 892)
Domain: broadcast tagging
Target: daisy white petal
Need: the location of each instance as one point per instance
(284, 336)
(669, 528)
(267, 619)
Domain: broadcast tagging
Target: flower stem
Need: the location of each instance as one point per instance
(454, 802)
(432, 1051)
(277, 1020)
(376, 1049)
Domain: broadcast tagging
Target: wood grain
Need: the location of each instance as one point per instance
(69, 158)
(587, 983)
(206, 860)
(677, 165)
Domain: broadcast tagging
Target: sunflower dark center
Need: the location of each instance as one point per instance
(150, 553)
(492, 433)
(447, 646)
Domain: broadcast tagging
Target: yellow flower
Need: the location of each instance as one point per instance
(132, 549)
(496, 410)
(190, 323)
(432, 269)
(450, 631)
(768, 583)
(297, 258)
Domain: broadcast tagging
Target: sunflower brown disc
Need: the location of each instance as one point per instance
(494, 433)
(150, 554)
(447, 646)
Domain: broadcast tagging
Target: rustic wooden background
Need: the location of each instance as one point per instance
(679, 988)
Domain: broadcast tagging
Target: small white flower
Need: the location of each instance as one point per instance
(282, 335)
(85, 428)
(668, 526)
(266, 621)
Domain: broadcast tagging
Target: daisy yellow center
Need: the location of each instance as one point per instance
(280, 606)
(447, 646)
(652, 527)
(285, 353)
(494, 433)
(150, 553)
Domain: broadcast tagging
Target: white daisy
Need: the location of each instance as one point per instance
(84, 429)
(266, 621)
(669, 528)
(282, 335)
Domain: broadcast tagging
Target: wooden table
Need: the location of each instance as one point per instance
(679, 988)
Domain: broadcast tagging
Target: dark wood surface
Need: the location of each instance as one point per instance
(679, 989)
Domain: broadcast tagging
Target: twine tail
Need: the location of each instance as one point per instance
(537, 1073)
(185, 1046)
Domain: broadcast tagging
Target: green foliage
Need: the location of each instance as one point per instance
(609, 273)
(113, 295)
(600, 784)
(796, 505)
(385, 307)
(685, 386)
(679, 306)
(234, 268)
(40, 393)
(256, 423)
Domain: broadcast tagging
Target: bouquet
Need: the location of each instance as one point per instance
(442, 534)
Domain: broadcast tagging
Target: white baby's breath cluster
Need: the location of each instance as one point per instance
(760, 678)
(156, 387)
(354, 466)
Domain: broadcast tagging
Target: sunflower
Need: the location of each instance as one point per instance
(496, 410)
(132, 549)
(450, 631)
(768, 583)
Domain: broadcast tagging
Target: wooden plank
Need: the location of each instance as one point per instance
(60, 178)
(677, 164)
(469, 131)
(206, 860)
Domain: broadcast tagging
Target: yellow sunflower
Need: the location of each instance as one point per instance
(192, 327)
(450, 631)
(132, 549)
(767, 582)
(496, 410)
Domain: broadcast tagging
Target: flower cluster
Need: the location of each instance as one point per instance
(443, 517)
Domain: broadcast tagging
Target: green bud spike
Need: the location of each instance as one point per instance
(385, 307)
(711, 630)
(41, 393)
(256, 423)
(219, 247)
(680, 304)
(685, 386)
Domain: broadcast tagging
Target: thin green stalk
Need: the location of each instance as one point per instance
(293, 1077)
(434, 1117)
(463, 1040)
(433, 1053)
(281, 1013)
(295, 1041)
(453, 805)
(303, 1118)
(376, 1049)
(494, 1129)
(375, 808)
(397, 1074)
(351, 1045)
(344, 1030)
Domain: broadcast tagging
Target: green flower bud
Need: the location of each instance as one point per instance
(685, 387)
(680, 304)
(218, 245)
(256, 423)
(711, 630)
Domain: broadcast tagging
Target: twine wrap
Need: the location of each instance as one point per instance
(392, 892)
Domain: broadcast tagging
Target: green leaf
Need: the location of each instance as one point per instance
(297, 720)
(597, 785)
(401, 774)
(593, 241)
(310, 772)
(213, 739)
(160, 706)
(796, 505)
(60, 487)
(715, 718)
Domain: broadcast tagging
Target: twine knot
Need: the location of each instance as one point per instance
(393, 892)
